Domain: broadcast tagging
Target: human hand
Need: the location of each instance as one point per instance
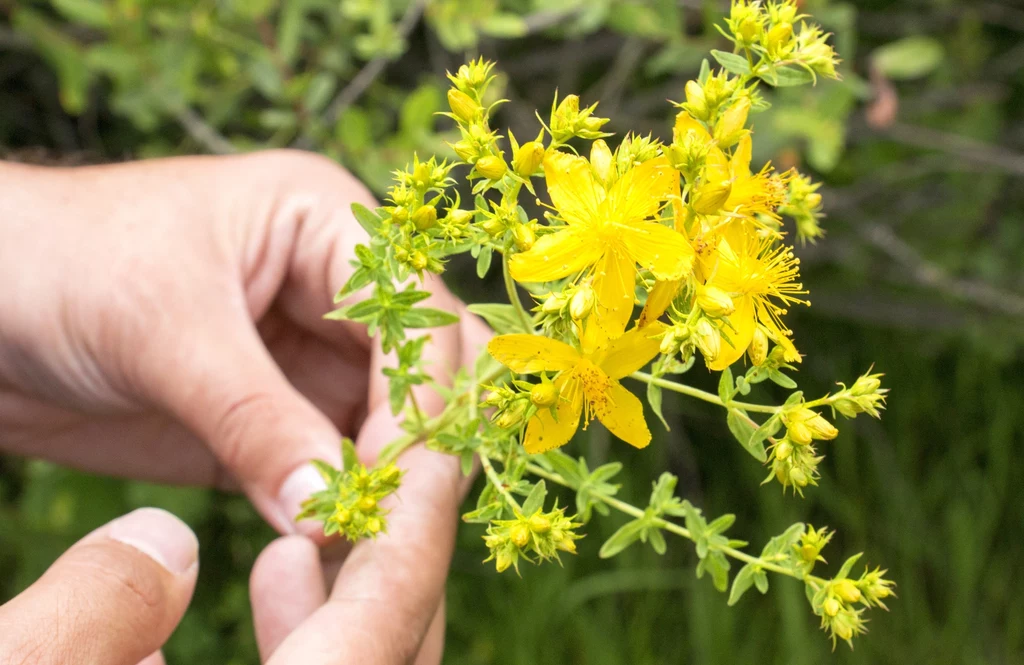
(113, 598)
(167, 322)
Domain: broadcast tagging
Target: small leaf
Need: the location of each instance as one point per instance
(721, 524)
(483, 262)
(761, 581)
(768, 428)
(744, 431)
(657, 540)
(349, 456)
(795, 398)
(427, 317)
(788, 77)
(908, 58)
(743, 581)
(725, 386)
(628, 534)
(535, 499)
(368, 219)
(327, 472)
(781, 379)
(732, 62)
(502, 318)
(847, 566)
(654, 394)
(564, 465)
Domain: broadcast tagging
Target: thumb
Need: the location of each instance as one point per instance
(113, 598)
(224, 385)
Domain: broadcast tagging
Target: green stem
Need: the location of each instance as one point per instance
(701, 394)
(492, 477)
(672, 527)
(513, 295)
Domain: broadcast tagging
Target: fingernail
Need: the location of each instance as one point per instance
(297, 488)
(159, 535)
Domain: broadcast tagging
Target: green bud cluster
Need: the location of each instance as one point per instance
(537, 537)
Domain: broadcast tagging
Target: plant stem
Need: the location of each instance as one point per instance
(661, 523)
(513, 295)
(701, 394)
(492, 477)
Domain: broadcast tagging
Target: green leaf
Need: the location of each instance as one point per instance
(327, 472)
(628, 534)
(654, 395)
(535, 499)
(732, 62)
(716, 564)
(504, 25)
(761, 581)
(847, 566)
(721, 524)
(657, 540)
(744, 433)
(725, 386)
(63, 53)
(564, 465)
(664, 490)
(426, 317)
(743, 581)
(483, 262)
(319, 91)
(908, 58)
(788, 77)
(502, 318)
(768, 428)
(780, 379)
(368, 219)
(783, 543)
(92, 13)
(349, 456)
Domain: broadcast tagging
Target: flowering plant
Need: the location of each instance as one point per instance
(687, 230)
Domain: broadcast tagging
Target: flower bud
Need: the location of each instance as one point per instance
(779, 39)
(523, 237)
(491, 167)
(374, 525)
(418, 260)
(367, 503)
(798, 433)
(866, 385)
(503, 559)
(459, 217)
(846, 407)
(540, 524)
(343, 516)
(462, 105)
(758, 349)
(553, 304)
(847, 590)
(493, 226)
(798, 477)
(512, 416)
(528, 158)
(831, 607)
(711, 196)
(400, 215)
(465, 150)
(731, 126)
(708, 340)
(567, 544)
(783, 450)
(544, 394)
(421, 175)
(696, 102)
(714, 301)
(425, 217)
(582, 303)
(821, 428)
(519, 534)
(602, 161)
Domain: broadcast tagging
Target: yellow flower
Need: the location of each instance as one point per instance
(588, 384)
(607, 233)
(760, 278)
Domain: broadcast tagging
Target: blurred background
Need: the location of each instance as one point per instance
(921, 148)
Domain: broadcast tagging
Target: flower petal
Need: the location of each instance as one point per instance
(640, 191)
(574, 191)
(543, 432)
(557, 255)
(632, 351)
(667, 254)
(658, 300)
(615, 286)
(744, 322)
(525, 354)
(623, 414)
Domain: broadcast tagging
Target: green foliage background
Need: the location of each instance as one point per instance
(920, 274)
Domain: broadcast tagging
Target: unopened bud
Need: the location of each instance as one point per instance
(831, 606)
(343, 517)
(798, 477)
(553, 304)
(503, 560)
(491, 167)
(523, 237)
(519, 534)
(758, 349)
(799, 433)
(708, 340)
(400, 215)
(821, 428)
(459, 217)
(528, 158)
(462, 105)
(374, 525)
(847, 590)
(602, 161)
(544, 394)
(866, 385)
(367, 503)
(714, 301)
(779, 39)
(696, 101)
(418, 260)
(425, 217)
(582, 303)
(730, 126)
(783, 450)
(465, 150)
(540, 524)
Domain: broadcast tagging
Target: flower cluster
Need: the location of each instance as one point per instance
(350, 506)
(647, 252)
(541, 534)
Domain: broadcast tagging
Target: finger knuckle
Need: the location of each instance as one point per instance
(241, 419)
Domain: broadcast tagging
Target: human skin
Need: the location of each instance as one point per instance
(163, 320)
